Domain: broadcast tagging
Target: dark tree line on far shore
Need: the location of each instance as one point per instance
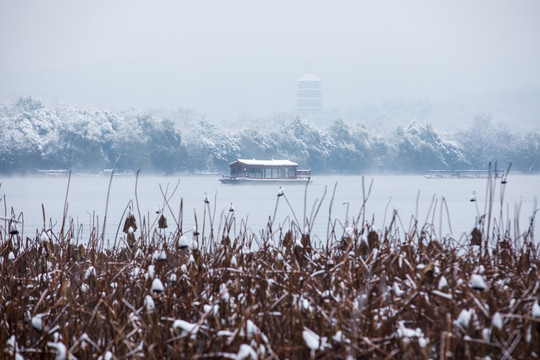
(38, 135)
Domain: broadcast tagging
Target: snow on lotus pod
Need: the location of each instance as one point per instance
(11, 256)
(90, 273)
(442, 283)
(533, 331)
(149, 304)
(406, 334)
(339, 337)
(311, 339)
(131, 237)
(37, 322)
(464, 318)
(183, 242)
(130, 223)
(157, 286)
(161, 255)
(151, 271)
(44, 238)
(107, 356)
(61, 350)
(246, 352)
(397, 290)
(182, 328)
(497, 321)
(536, 310)
(478, 282)
(13, 229)
(194, 245)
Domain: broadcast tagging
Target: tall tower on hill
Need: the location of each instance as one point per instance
(309, 96)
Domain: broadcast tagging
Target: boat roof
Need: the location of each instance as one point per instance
(264, 162)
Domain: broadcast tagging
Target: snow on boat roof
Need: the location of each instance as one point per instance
(265, 162)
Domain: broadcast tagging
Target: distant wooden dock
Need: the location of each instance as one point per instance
(464, 174)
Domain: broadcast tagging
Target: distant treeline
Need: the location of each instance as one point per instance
(38, 135)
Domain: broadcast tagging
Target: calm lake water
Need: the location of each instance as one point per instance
(256, 203)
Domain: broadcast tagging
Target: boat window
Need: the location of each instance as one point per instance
(288, 172)
(255, 173)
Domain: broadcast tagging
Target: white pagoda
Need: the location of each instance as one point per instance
(309, 97)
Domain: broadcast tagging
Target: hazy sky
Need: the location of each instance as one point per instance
(226, 58)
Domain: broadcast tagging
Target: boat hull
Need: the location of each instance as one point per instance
(244, 180)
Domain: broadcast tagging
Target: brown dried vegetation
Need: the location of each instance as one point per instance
(369, 294)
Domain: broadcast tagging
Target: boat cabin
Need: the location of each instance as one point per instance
(266, 170)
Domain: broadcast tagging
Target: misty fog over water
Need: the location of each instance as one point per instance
(254, 204)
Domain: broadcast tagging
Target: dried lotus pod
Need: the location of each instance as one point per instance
(162, 222)
(130, 222)
(476, 237)
(131, 237)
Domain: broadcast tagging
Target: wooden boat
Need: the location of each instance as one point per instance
(244, 171)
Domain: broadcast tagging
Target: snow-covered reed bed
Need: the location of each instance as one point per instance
(235, 294)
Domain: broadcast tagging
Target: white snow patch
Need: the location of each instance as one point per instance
(157, 286)
(183, 242)
(61, 350)
(464, 317)
(536, 310)
(408, 333)
(107, 356)
(37, 322)
(90, 272)
(44, 238)
(149, 304)
(442, 294)
(312, 340)
(478, 282)
(442, 283)
(182, 328)
(497, 321)
(246, 352)
(397, 290)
